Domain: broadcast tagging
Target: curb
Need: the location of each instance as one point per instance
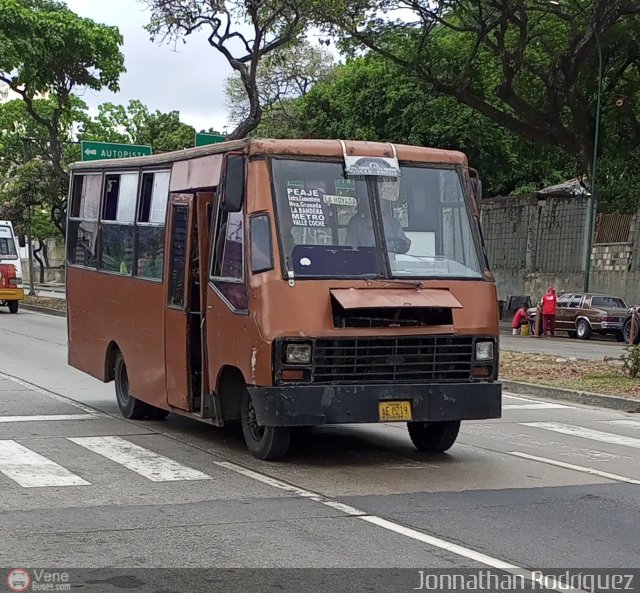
(612, 402)
(44, 310)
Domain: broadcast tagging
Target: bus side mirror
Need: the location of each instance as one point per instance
(233, 183)
(22, 241)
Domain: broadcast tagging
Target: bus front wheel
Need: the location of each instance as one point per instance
(130, 407)
(264, 442)
(13, 306)
(434, 437)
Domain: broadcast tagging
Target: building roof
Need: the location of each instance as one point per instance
(572, 187)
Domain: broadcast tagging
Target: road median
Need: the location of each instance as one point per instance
(47, 305)
(586, 398)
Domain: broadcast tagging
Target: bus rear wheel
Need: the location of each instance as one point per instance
(130, 407)
(13, 306)
(265, 442)
(434, 437)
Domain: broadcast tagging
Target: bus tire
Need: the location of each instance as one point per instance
(264, 442)
(130, 407)
(434, 437)
(13, 306)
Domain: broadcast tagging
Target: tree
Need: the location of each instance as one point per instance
(49, 51)
(285, 74)
(27, 198)
(370, 98)
(273, 24)
(135, 124)
(531, 66)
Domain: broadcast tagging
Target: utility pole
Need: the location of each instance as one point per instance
(593, 197)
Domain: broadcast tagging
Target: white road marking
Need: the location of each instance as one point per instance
(587, 433)
(48, 394)
(577, 468)
(152, 466)
(32, 470)
(50, 417)
(414, 534)
(519, 398)
(631, 423)
(540, 406)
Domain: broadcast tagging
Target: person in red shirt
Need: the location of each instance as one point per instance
(549, 302)
(519, 319)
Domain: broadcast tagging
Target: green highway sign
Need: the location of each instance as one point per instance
(204, 139)
(95, 151)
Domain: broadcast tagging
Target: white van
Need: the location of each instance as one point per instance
(11, 287)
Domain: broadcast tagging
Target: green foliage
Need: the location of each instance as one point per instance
(32, 185)
(530, 66)
(47, 48)
(631, 361)
(135, 124)
(371, 99)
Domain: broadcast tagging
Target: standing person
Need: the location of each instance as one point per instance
(549, 302)
(519, 319)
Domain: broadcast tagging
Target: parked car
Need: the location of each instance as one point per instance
(581, 315)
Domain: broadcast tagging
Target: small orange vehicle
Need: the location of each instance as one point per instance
(284, 283)
(11, 287)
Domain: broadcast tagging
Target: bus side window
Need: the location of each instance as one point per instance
(227, 263)
(261, 251)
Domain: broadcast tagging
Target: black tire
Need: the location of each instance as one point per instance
(583, 329)
(626, 332)
(130, 407)
(620, 336)
(434, 437)
(264, 442)
(573, 335)
(13, 306)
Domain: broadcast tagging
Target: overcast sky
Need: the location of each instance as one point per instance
(189, 79)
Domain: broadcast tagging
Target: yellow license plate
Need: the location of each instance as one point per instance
(396, 411)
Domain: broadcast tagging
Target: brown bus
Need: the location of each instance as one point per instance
(285, 283)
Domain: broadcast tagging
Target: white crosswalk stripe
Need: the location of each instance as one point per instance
(630, 423)
(32, 470)
(586, 433)
(48, 418)
(540, 406)
(152, 466)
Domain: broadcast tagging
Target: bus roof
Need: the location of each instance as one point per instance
(320, 148)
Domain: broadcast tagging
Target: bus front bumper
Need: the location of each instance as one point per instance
(309, 405)
(11, 294)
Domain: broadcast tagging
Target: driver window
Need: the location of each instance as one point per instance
(576, 302)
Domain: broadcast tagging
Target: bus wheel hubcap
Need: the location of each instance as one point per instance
(252, 422)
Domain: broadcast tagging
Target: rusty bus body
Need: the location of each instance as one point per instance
(266, 281)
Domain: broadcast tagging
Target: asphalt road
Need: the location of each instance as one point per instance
(547, 486)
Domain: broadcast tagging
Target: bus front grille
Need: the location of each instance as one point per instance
(434, 359)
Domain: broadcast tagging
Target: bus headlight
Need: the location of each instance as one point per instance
(298, 354)
(484, 350)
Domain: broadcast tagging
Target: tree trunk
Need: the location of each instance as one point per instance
(45, 254)
(40, 262)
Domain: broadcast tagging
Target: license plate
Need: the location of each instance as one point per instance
(395, 411)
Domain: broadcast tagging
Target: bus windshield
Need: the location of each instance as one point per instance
(339, 227)
(7, 243)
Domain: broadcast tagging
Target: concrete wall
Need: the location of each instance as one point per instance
(538, 241)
